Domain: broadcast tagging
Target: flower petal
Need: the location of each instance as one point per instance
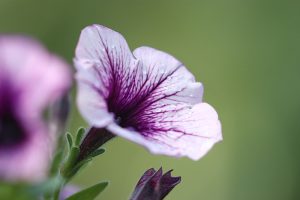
(103, 61)
(167, 79)
(185, 131)
(92, 105)
(110, 79)
(39, 76)
(29, 161)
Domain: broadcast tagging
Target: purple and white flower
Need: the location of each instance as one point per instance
(154, 185)
(30, 79)
(148, 96)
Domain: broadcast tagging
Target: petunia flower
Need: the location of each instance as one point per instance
(154, 185)
(148, 96)
(30, 80)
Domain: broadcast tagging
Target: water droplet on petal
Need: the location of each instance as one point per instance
(161, 70)
(144, 71)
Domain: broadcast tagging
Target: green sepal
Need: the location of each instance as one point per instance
(97, 152)
(70, 140)
(79, 136)
(80, 166)
(89, 193)
(73, 164)
(74, 152)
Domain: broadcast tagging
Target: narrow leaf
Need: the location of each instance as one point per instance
(79, 136)
(81, 165)
(73, 155)
(97, 152)
(70, 140)
(89, 193)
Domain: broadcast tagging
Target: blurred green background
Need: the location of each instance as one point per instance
(247, 55)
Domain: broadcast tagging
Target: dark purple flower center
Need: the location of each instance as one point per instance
(129, 103)
(11, 132)
(131, 93)
(123, 117)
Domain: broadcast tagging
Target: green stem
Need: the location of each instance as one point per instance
(79, 154)
(57, 190)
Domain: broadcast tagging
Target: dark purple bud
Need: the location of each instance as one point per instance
(95, 138)
(154, 185)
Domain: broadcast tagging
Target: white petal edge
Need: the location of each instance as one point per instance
(194, 153)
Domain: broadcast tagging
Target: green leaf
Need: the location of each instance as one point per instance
(74, 152)
(89, 193)
(70, 140)
(97, 152)
(79, 136)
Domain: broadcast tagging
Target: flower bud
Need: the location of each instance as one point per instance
(154, 185)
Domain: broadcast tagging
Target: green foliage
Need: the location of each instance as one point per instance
(73, 164)
(89, 193)
(69, 140)
(15, 192)
(22, 191)
(79, 136)
(97, 152)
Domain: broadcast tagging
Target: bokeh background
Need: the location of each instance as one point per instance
(247, 55)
